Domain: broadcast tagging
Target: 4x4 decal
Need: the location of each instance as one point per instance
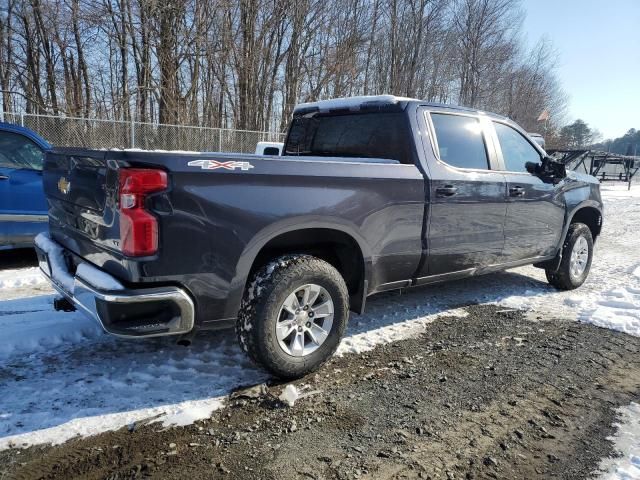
(214, 164)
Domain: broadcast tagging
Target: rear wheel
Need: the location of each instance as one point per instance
(293, 315)
(577, 253)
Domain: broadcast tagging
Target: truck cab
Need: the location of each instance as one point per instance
(23, 207)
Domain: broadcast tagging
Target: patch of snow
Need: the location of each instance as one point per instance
(57, 264)
(22, 277)
(619, 191)
(370, 338)
(186, 413)
(99, 279)
(289, 395)
(142, 150)
(180, 414)
(30, 327)
(94, 383)
(350, 102)
(626, 442)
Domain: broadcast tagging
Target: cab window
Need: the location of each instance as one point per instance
(516, 150)
(18, 152)
(362, 135)
(460, 141)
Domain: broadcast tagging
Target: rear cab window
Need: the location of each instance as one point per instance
(384, 135)
(460, 141)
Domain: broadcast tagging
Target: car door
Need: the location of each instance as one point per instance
(23, 209)
(466, 199)
(535, 210)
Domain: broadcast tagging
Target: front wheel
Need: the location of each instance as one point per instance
(577, 253)
(293, 315)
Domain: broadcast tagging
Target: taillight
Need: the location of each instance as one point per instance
(139, 228)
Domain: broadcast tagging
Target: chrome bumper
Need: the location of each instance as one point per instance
(145, 312)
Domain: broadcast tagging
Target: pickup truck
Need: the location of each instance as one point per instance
(370, 194)
(23, 208)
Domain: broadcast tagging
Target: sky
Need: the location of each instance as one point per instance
(598, 42)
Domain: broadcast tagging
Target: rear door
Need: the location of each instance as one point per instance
(467, 209)
(23, 208)
(535, 209)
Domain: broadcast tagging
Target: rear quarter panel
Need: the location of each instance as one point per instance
(221, 219)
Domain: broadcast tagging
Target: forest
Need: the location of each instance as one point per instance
(628, 144)
(245, 63)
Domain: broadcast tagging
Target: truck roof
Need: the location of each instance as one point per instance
(356, 103)
(13, 128)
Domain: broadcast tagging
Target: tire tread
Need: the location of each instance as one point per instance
(260, 290)
(561, 278)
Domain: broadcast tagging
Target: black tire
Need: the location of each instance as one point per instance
(261, 310)
(563, 278)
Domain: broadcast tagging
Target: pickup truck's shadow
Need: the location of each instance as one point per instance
(89, 376)
(19, 258)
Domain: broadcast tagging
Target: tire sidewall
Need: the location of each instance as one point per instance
(578, 232)
(283, 286)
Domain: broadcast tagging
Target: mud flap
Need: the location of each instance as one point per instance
(551, 265)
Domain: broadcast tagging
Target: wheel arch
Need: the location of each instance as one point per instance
(589, 213)
(340, 245)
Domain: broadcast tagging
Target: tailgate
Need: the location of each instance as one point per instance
(77, 178)
(81, 192)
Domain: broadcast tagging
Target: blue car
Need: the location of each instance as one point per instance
(23, 208)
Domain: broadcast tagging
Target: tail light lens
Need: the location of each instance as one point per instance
(138, 227)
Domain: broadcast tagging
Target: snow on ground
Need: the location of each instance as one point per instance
(627, 442)
(22, 282)
(30, 326)
(611, 296)
(60, 376)
(21, 277)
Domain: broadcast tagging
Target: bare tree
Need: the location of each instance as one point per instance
(246, 63)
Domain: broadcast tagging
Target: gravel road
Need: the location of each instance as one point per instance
(490, 395)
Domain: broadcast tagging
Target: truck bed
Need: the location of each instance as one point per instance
(220, 209)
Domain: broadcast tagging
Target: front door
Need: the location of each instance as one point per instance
(535, 211)
(23, 209)
(466, 200)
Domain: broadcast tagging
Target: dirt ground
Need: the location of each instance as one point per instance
(492, 395)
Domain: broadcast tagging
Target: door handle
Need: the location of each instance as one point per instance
(4, 177)
(446, 191)
(516, 192)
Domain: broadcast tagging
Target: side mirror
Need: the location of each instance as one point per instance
(550, 170)
(532, 167)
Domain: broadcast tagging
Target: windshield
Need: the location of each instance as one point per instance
(364, 135)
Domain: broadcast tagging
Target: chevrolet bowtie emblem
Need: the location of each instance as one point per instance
(64, 185)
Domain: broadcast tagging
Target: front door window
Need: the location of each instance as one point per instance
(18, 152)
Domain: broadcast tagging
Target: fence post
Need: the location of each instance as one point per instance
(219, 139)
(133, 134)
(22, 119)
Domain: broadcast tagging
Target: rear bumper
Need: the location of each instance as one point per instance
(144, 312)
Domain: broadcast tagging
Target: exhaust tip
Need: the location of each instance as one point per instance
(185, 342)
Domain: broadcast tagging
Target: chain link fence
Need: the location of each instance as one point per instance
(96, 133)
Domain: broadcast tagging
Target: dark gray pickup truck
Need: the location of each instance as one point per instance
(371, 194)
